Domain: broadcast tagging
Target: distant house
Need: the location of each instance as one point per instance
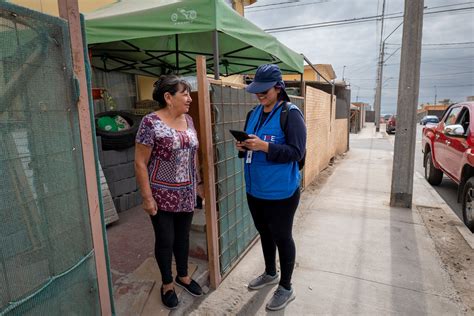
(357, 118)
(433, 109)
(325, 70)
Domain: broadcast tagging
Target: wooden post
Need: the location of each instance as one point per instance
(205, 139)
(68, 10)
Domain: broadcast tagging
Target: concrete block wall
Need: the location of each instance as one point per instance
(119, 171)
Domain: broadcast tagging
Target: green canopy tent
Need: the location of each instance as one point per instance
(157, 37)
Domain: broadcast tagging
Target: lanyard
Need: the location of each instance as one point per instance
(259, 123)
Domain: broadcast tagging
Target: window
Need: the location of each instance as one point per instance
(452, 115)
(463, 120)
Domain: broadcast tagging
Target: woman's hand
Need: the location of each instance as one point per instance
(255, 143)
(200, 190)
(240, 146)
(149, 205)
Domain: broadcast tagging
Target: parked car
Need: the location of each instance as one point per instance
(391, 124)
(386, 117)
(448, 149)
(429, 119)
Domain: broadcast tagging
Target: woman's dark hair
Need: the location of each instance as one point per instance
(171, 84)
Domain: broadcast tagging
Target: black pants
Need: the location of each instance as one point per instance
(274, 221)
(172, 236)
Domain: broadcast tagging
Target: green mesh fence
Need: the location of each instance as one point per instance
(47, 265)
(236, 228)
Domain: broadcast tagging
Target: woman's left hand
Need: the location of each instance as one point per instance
(255, 143)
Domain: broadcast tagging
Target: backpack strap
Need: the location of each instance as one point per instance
(248, 116)
(284, 122)
(287, 107)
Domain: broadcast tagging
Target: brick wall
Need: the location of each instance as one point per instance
(340, 138)
(327, 136)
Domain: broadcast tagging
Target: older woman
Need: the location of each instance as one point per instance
(272, 177)
(165, 167)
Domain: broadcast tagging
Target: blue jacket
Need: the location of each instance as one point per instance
(271, 179)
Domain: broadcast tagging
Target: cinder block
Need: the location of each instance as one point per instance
(136, 198)
(120, 187)
(130, 154)
(121, 203)
(124, 202)
(112, 189)
(127, 170)
(117, 203)
(133, 184)
(99, 143)
(120, 172)
(124, 186)
(113, 157)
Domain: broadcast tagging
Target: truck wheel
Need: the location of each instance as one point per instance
(433, 175)
(468, 204)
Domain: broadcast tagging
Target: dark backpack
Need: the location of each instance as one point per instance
(283, 124)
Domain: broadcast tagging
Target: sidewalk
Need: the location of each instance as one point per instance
(355, 253)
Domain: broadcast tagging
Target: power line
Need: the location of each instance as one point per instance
(450, 5)
(424, 76)
(268, 5)
(351, 21)
(455, 86)
(436, 44)
(248, 10)
(448, 44)
(444, 48)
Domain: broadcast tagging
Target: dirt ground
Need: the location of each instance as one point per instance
(455, 253)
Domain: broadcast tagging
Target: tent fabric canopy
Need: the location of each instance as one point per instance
(156, 37)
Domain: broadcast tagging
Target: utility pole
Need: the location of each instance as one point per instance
(408, 90)
(343, 70)
(436, 96)
(379, 74)
(378, 91)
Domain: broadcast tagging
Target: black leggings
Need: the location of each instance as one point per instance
(274, 221)
(172, 236)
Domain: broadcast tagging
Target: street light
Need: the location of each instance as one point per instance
(378, 91)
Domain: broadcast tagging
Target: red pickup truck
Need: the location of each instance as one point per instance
(448, 149)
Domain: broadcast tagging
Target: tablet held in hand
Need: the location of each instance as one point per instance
(239, 135)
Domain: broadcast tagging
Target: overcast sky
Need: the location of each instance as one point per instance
(448, 66)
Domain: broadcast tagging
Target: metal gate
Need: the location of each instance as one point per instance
(47, 263)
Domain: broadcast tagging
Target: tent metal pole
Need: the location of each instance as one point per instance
(176, 39)
(302, 86)
(215, 44)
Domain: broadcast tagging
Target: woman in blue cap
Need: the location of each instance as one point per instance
(272, 177)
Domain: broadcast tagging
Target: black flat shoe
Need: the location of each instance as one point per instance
(169, 299)
(193, 288)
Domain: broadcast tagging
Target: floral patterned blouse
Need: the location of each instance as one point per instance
(172, 165)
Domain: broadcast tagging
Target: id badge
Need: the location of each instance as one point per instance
(248, 159)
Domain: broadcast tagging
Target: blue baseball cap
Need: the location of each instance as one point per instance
(266, 77)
